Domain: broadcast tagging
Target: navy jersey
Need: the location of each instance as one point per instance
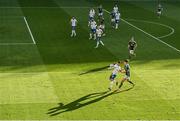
(113, 15)
(127, 69)
(132, 45)
(100, 10)
(160, 8)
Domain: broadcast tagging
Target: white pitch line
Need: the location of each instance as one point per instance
(42, 7)
(16, 43)
(169, 34)
(34, 42)
(148, 34)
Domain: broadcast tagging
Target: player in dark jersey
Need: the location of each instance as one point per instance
(132, 46)
(113, 18)
(127, 74)
(159, 10)
(100, 12)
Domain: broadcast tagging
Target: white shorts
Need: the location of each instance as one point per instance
(159, 12)
(131, 52)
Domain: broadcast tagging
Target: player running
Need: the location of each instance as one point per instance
(117, 19)
(113, 16)
(159, 10)
(73, 25)
(92, 24)
(116, 69)
(132, 46)
(127, 74)
(100, 12)
(99, 33)
(91, 14)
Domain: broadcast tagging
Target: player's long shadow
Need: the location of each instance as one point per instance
(94, 70)
(79, 102)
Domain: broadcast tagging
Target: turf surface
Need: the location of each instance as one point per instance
(65, 78)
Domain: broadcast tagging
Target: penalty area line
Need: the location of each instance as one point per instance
(27, 25)
(148, 34)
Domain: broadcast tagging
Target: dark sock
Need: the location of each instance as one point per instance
(131, 82)
(121, 85)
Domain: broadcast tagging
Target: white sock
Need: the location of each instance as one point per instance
(116, 26)
(102, 43)
(94, 36)
(90, 36)
(74, 32)
(111, 84)
(97, 45)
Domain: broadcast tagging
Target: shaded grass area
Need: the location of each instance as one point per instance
(43, 80)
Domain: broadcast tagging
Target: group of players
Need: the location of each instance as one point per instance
(117, 68)
(97, 29)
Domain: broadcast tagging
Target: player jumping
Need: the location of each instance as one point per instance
(92, 24)
(73, 25)
(116, 69)
(127, 74)
(99, 33)
(132, 46)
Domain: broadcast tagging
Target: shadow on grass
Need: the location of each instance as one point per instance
(94, 70)
(82, 102)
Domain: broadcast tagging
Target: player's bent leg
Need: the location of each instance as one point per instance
(121, 84)
(128, 80)
(101, 43)
(94, 36)
(97, 44)
(90, 36)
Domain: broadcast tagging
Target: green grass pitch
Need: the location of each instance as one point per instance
(43, 80)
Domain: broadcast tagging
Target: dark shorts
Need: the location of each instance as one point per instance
(93, 31)
(117, 21)
(98, 38)
(112, 77)
(91, 18)
(73, 27)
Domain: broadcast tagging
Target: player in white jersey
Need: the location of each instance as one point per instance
(92, 24)
(115, 9)
(117, 19)
(116, 69)
(99, 33)
(73, 25)
(91, 14)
